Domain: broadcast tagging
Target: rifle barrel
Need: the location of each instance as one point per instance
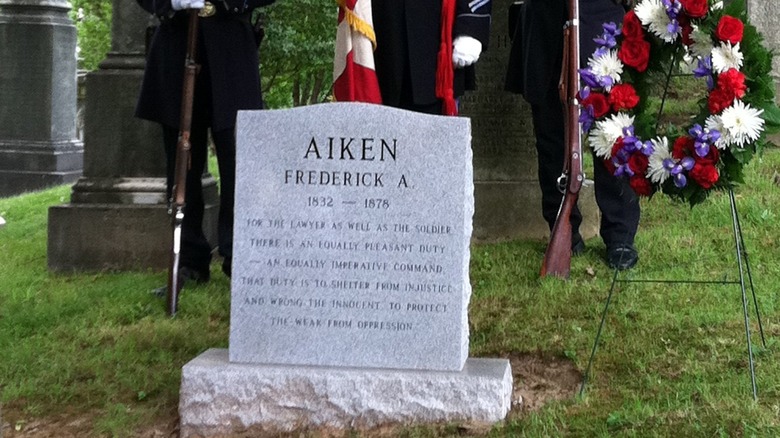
(182, 165)
(557, 257)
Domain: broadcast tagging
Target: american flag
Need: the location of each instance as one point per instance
(354, 72)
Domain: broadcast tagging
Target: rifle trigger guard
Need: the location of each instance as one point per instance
(562, 182)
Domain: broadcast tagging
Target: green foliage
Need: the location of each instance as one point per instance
(93, 26)
(772, 117)
(297, 52)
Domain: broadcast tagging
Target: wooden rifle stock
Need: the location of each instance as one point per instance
(183, 150)
(557, 258)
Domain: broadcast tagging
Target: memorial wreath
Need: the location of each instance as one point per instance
(735, 113)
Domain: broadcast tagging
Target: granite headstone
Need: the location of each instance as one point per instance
(350, 282)
(765, 15)
(351, 242)
(38, 143)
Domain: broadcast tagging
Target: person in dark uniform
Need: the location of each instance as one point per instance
(408, 41)
(228, 80)
(534, 71)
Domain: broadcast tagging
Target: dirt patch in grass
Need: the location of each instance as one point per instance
(15, 424)
(538, 379)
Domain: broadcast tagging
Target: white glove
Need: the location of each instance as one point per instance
(465, 51)
(178, 5)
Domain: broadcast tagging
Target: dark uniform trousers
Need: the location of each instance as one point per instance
(535, 64)
(196, 250)
(228, 81)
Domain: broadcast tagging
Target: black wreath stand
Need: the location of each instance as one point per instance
(743, 263)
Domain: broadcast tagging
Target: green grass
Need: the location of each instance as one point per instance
(672, 360)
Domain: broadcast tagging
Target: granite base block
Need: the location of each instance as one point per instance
(97, 237)
(219, 397)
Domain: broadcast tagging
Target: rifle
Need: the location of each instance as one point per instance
(183, 149)
(557, 258)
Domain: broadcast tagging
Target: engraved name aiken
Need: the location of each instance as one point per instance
(346, 149)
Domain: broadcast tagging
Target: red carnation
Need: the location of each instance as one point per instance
(695, 8)
(638, 162)
(641, 185)
(730, 29)
(687, 29)
(719, 100)
(623, 96)
(610, 167)
(616, 147)
(599, 103)
(632, 27)
(704, 175)
(710, 159)
(732, 81)
(635, 53)
(683, 147)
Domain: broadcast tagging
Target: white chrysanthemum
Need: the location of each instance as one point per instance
(656, 171)
(608, 64)
(688, 64)
(652, 14)
(726, 57)
(603, 136)
(716, 5)
(715, 123)
(702, 43)
(742, 122)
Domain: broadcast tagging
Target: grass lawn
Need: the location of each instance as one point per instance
(95, 355)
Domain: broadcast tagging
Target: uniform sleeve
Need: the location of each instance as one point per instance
(241, 6)
(472, 18)
(160, 8)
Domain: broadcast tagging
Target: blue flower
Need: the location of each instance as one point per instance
(590, 78)
(676, 169)
(607, 39)
(673, 8)
(704, 70)
(673, 27)
(703, 138)
(587, 118)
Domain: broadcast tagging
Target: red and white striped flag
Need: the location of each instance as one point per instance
(354, 73)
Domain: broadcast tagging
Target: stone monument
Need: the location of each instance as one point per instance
(506, 186)
(38, 143)
(350, 285)
(117, 217)
(765, 15)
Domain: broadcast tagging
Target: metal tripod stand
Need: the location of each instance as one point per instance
(743, 263)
